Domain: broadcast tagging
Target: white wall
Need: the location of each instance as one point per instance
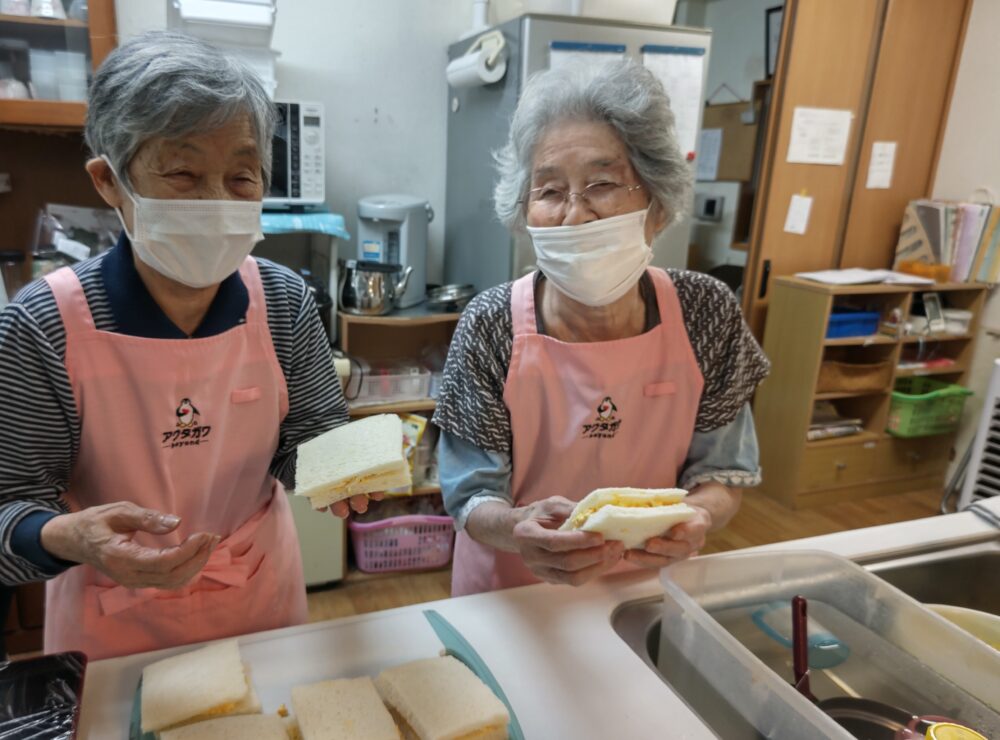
(970, 159)
(737, 44)
(378, 66)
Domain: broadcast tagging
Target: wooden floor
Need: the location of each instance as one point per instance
(760, 521)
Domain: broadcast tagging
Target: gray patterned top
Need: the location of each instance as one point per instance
(471, 404)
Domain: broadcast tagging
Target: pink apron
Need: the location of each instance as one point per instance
(188, 427)
(586, 416)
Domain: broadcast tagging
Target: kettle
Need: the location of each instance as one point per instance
(370, 288)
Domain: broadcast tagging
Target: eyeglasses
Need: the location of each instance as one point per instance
(602, 197)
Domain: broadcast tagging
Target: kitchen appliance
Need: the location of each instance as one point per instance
(371, 288)
(392, 229)
(450, 298)
(298, 170)
(481, 251)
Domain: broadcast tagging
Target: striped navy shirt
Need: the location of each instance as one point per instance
(40, 426)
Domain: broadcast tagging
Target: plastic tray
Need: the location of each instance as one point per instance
(391, 385)
(899, 652)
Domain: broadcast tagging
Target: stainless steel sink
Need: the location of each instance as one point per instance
(967, 576)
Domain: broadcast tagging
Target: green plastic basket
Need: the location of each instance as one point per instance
(921, 407)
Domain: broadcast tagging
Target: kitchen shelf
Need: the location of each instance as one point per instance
(48, 113)
(937, 338)
(848, 394)
(27, 20)
(867, 341)
(399, 407)
(408, 317)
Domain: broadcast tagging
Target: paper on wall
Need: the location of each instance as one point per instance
(681, 70)
(880, 165)
(582, 58)
(819, 136)
(709, 149)
(797, 220)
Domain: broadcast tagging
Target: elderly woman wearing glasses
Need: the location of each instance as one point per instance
(597, 370)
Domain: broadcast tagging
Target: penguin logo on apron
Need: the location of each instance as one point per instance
(187, 414)
(606, 425)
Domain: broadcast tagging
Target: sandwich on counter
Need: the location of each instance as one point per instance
(207, 683)
(441, 699)
(358, 458)
(244, 727)
(630, 515)
(346, 709)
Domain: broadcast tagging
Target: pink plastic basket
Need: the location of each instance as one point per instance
(414, 542)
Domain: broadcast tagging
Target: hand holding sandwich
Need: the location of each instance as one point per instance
(533, 531)
(103, 537)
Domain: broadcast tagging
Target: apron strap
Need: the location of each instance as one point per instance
(71, 301)
(522, 305)
(667, 302)
(257, 309)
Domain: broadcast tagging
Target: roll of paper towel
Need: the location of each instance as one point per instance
(472, 69)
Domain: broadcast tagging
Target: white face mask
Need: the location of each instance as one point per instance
(195, 242)
(595, 263)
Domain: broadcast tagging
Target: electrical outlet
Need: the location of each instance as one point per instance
(5, 182)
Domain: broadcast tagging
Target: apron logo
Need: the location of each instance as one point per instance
(606, 425)
(188, 432)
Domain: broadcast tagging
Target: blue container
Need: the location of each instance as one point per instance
(848, 323)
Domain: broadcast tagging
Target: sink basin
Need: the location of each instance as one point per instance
(967, 576)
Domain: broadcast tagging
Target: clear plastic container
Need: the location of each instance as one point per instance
(899, 653)
(390, 384)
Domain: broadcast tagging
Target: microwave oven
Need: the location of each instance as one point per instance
(298, 171)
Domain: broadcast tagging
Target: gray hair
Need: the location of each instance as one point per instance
(624, 95)
(168, 84)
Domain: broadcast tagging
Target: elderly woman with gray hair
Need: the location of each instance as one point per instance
(597, 370)
(161, 388)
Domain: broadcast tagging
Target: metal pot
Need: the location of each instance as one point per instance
(370, 288)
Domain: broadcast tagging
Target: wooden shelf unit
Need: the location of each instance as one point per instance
(801, 473)
(402, 407)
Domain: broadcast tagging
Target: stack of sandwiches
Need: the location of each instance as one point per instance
(359, 458)
(630, 515)
(206, 695)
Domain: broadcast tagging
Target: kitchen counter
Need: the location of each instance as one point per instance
(566, 672)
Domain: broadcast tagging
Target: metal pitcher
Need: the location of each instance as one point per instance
(371, 288)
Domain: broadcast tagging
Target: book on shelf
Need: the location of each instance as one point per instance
(844, 430)
(827, 423)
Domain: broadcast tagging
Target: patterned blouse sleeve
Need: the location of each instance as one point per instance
(731, 361)
(471, 404)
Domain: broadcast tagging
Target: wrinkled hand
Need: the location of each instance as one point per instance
(561, 557)
(681, 542)
(358, 503)
(103, 537)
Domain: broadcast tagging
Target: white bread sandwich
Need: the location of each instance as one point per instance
(441, 699)
(630, 515)
(358, 458)
(345, 709)
(203, 684)
(256, 726)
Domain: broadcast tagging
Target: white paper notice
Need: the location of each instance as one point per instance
(681, 75)
(819, 136)
(709, 149)
(797, 220)
(582, 59)
(881, 164)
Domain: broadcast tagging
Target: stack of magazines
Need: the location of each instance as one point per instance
(827, 422)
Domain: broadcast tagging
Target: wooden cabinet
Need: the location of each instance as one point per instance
(891, 64)
(803, 473)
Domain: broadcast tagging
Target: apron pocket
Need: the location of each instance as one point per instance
(666, 388)
(245, 395)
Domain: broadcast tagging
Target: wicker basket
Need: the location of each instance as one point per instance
(850, 377)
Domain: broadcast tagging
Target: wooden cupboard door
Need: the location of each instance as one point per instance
(917, 59)
(834, 465)
(827, 58)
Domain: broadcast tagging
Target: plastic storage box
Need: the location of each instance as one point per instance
(390, 384)
(850, 323)
(921, 407)
(413, 542)
(899, 652)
